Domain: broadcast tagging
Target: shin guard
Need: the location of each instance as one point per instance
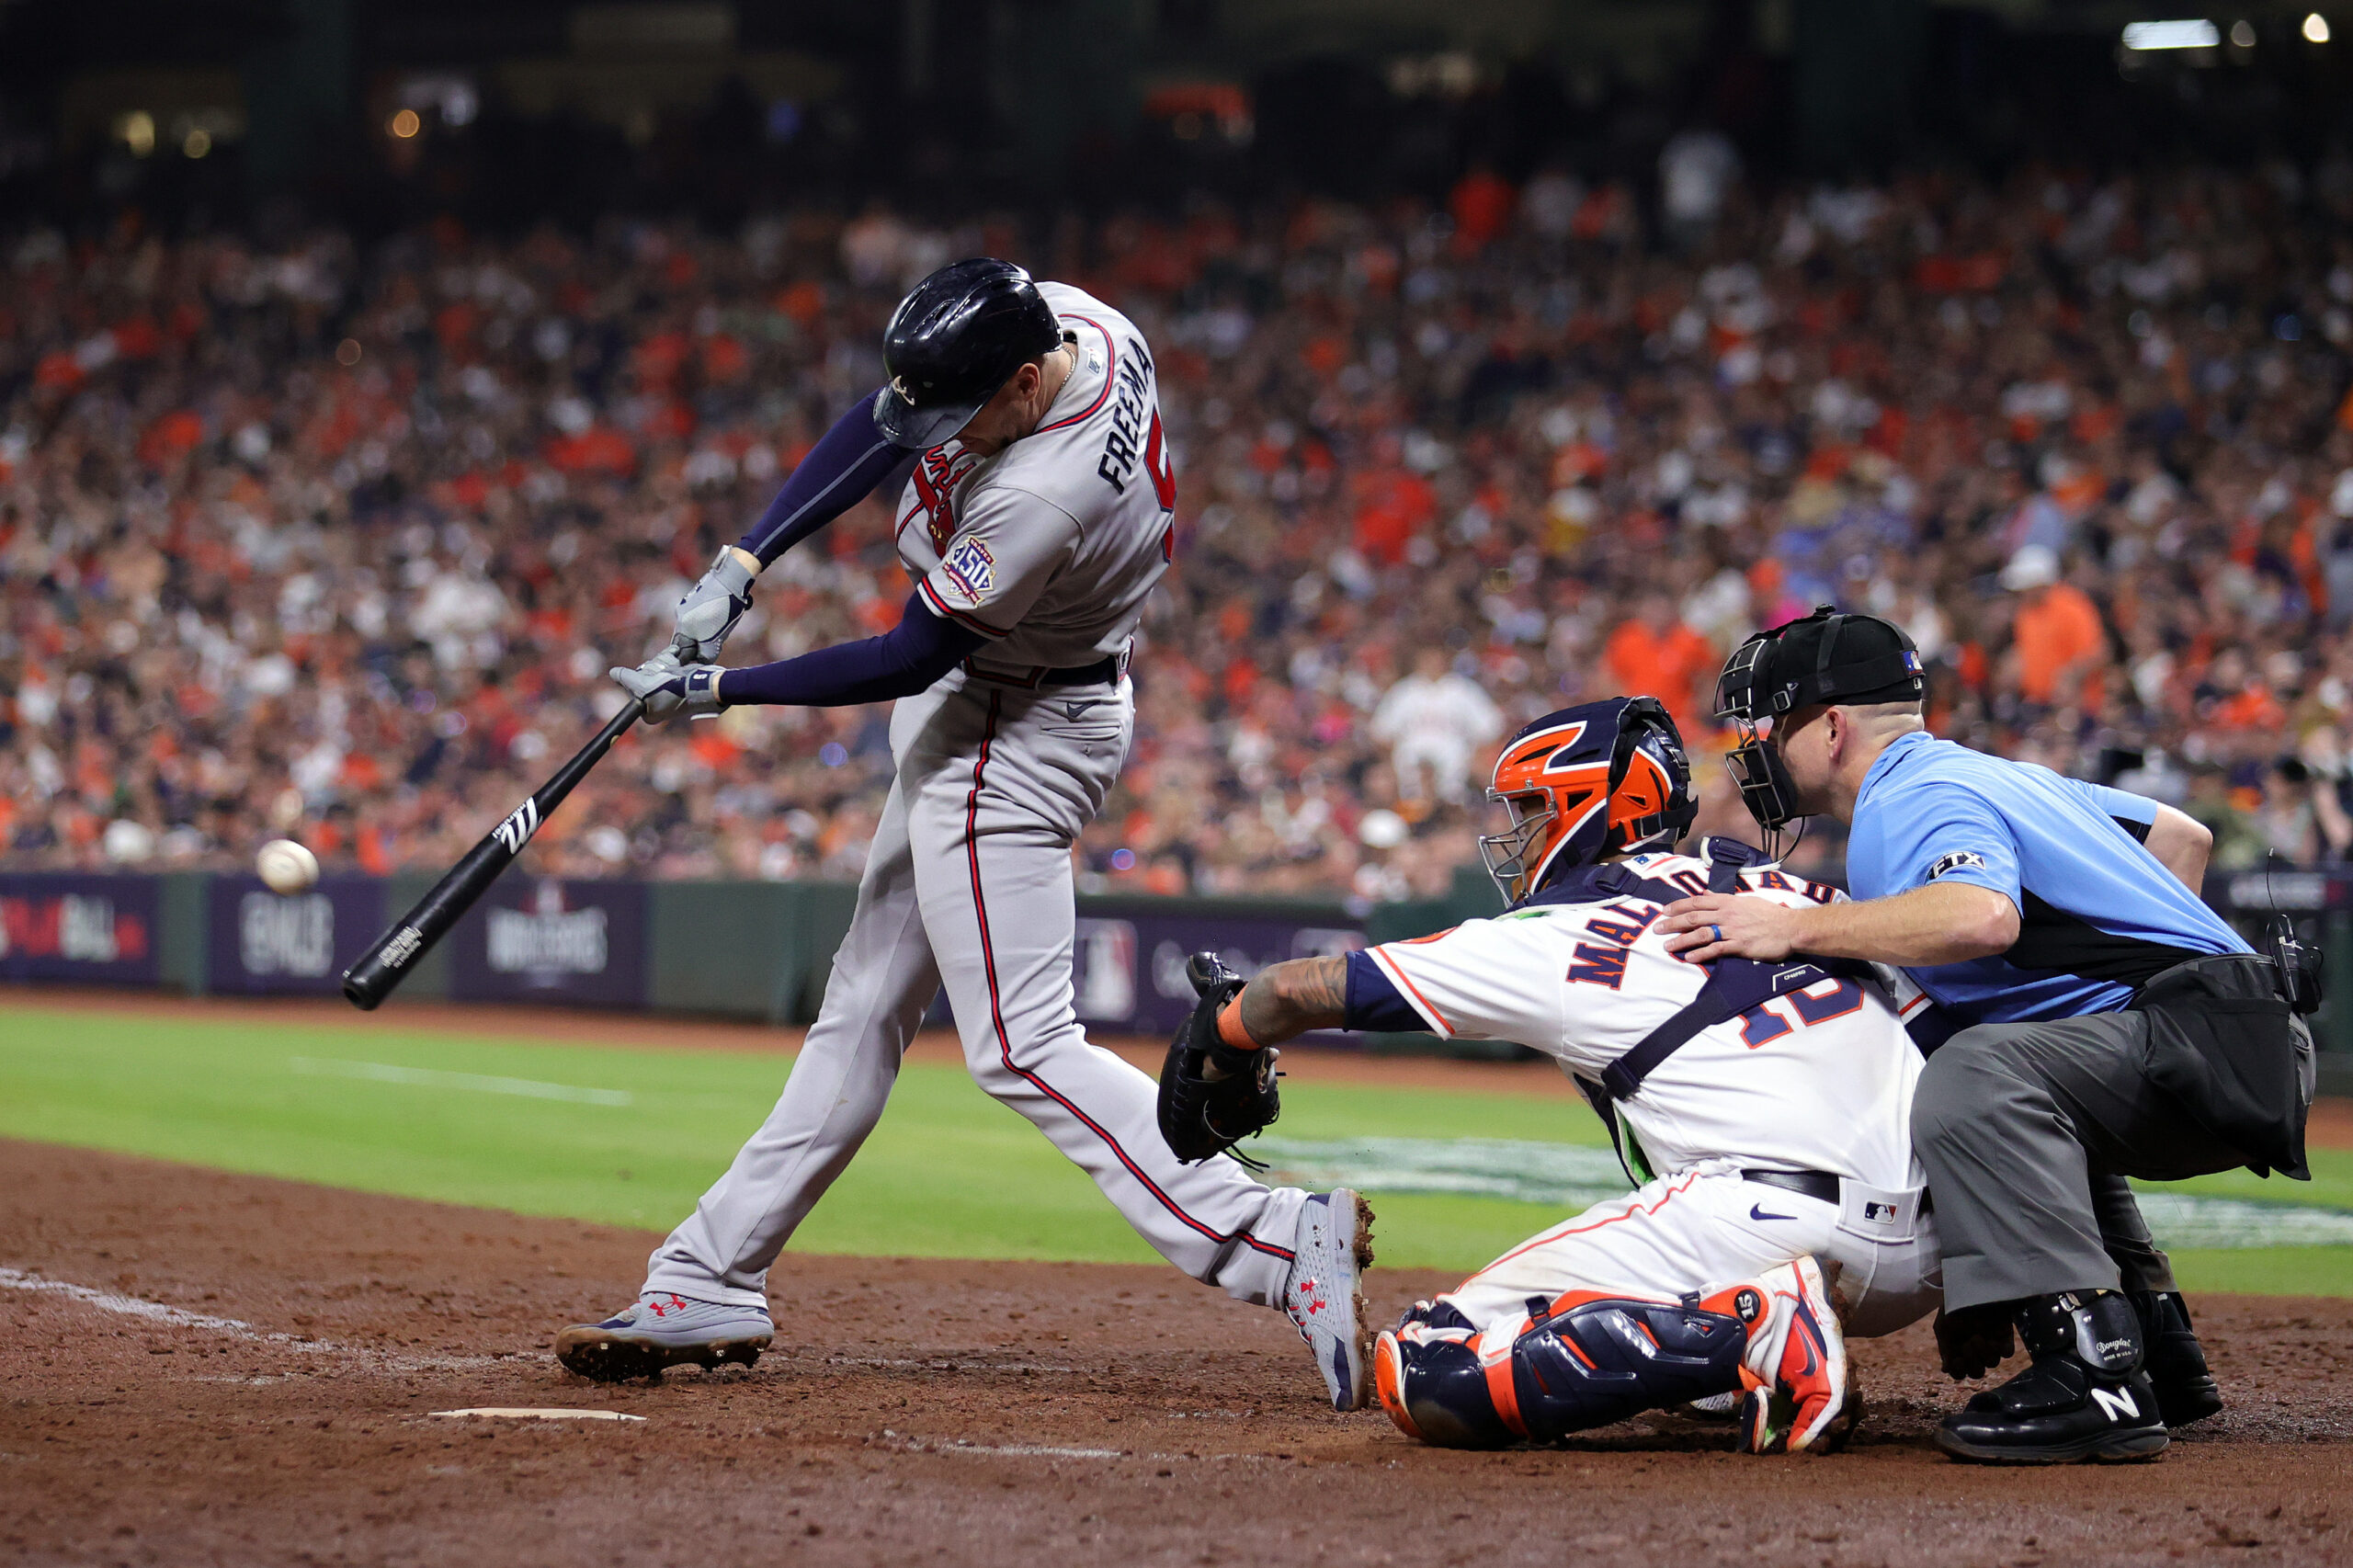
(1589, 1358)
(1586, 1360)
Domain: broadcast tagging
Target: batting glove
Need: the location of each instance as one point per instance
(671, 688)
(711, 608)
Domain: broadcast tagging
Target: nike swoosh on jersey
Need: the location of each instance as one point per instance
(1071, 710)
(1757, 1211)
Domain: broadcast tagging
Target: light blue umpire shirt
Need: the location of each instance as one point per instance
(2099, 915)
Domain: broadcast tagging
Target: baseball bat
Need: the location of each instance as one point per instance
(387, 962)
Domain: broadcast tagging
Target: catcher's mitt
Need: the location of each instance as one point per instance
(1201, 1114)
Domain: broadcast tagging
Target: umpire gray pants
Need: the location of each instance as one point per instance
(2027, 1132)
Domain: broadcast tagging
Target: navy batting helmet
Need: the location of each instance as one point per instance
(952, 343)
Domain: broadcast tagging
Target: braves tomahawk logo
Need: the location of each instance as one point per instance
(937, 474)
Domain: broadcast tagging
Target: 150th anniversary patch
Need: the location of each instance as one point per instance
(970, 568)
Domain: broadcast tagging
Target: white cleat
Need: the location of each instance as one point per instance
(1324, 1298)
(662, 1329)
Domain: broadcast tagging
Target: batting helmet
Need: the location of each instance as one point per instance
(1585, 782)
(952, 343)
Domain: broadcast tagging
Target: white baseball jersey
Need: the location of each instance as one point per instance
(1050, 547)
(1819, 1079)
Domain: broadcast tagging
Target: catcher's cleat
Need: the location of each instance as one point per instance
(1324, 1298)
(2085, 1397)
(660, 1329)
(1800, 1395)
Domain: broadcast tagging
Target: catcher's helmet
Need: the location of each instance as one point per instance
(952, 343)
(1585, 782)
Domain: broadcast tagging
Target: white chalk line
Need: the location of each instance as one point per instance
(432, 1078)
(234, 1328)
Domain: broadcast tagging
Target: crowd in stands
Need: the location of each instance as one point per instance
(309, 540)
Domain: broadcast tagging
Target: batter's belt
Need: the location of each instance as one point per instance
(1105, 671)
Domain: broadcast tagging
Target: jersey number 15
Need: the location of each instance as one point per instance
(1770, 1020)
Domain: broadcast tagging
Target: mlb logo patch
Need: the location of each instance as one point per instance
(1957, 860)
(1881, 1214)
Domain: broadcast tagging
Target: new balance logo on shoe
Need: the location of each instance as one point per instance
(2117, 1404)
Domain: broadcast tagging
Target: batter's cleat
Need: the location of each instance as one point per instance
(1324, 1298)
(1801, 1394)
(2174, 1360)
(2085, 1397)
(660, 1329)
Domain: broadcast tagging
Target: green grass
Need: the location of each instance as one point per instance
(949, 1172)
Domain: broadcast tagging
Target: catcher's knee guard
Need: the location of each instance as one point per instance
(1586, 1360)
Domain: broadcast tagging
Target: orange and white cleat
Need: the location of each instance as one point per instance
(1801, 1396)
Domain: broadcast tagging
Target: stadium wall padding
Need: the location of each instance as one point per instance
(764, 951)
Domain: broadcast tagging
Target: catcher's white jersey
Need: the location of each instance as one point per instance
(1050, 547)
(1819, 1079)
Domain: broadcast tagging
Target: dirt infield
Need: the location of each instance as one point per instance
(207, 1369)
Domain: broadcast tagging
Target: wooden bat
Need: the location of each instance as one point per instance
(387, 962)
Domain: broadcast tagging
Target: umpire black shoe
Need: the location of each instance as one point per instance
(2174, 1361)
(2085, 1397)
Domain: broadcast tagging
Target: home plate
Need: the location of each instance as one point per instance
(549, 1413)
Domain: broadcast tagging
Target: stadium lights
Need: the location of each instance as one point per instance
(2193, 33)
(2241, 34)
(2316, 28)
(405, 124)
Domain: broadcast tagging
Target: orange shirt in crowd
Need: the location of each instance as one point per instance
(2058, 627)
(1667, 666)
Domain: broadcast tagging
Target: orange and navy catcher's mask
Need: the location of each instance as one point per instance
(1596, 780)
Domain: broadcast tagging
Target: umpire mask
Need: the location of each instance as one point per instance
(1827, 657)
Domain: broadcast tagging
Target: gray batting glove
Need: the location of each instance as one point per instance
(671, 688)
(711, 608)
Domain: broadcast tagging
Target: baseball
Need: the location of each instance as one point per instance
(285, 866)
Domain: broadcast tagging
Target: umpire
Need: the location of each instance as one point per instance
(2111, 1025)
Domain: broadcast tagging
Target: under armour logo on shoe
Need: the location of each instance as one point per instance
(662, 1309)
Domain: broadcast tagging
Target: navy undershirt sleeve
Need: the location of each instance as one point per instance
(1373, 1003)
(900, 662)
(841, 469)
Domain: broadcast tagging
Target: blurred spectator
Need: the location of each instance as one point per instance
(1435, 723)
(1653, 652)
(2055, 631)
(2239, 841)
(1696, 170)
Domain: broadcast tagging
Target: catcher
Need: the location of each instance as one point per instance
(1762, 1110)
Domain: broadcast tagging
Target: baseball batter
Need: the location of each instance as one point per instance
(1037, 517)
(1763, 1109)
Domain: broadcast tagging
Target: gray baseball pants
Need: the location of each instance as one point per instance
(968, 885)
(2028, 1132)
